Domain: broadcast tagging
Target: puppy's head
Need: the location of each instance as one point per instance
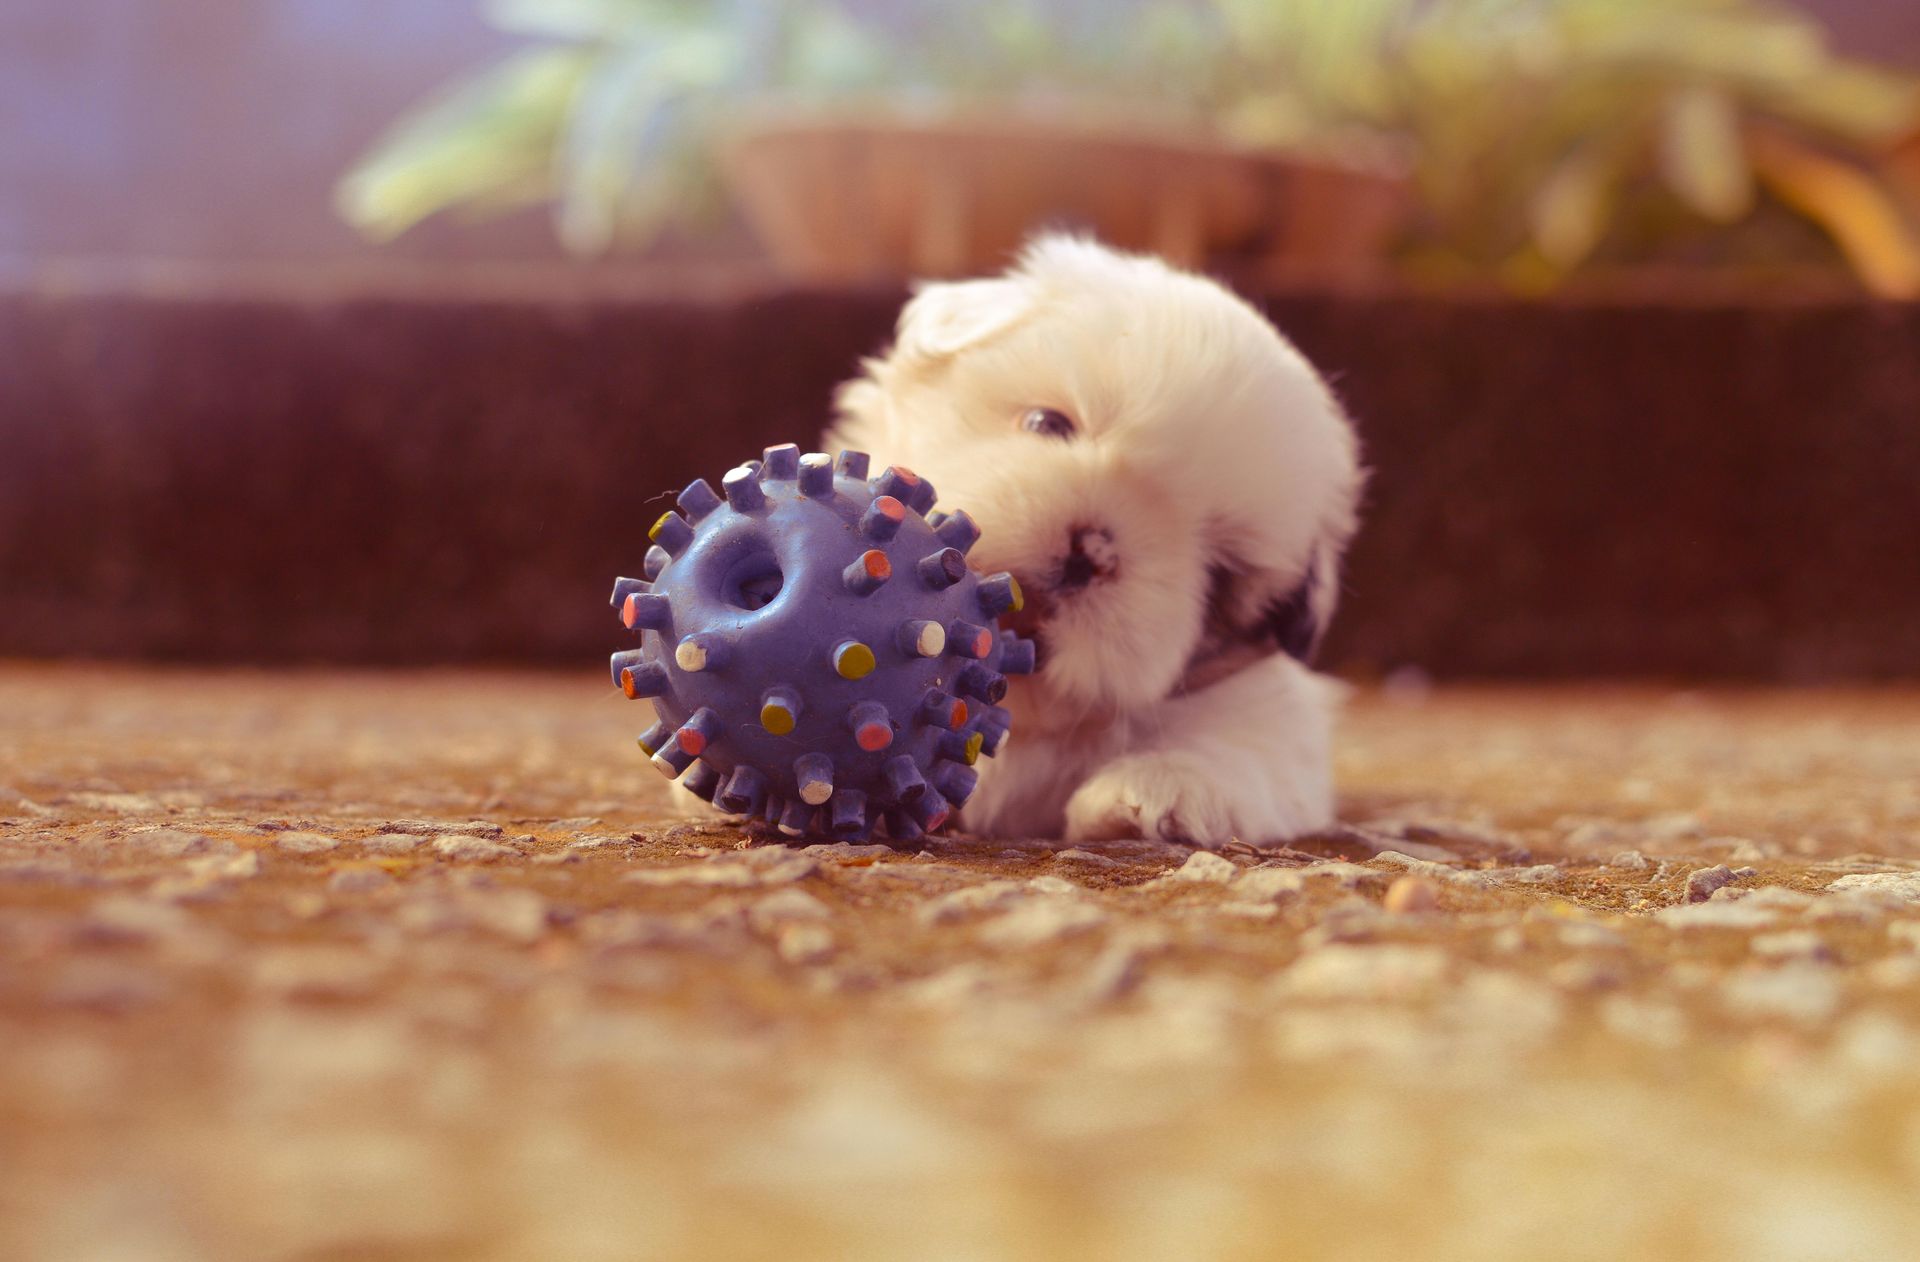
(1168, 478)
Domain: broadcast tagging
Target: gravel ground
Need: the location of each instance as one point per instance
(328, 966)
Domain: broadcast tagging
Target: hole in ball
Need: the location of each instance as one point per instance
(752, 581)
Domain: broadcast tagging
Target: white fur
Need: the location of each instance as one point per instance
(1205, 439)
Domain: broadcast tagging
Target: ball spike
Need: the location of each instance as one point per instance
(780, 464)
(742, 488)
(699, 731)
(636, 676)
(647, 611)
(942, 569)
(995, 726)
(940, 709)
(796, 820)
(872, 727)
(902, 827)
(702, 781)
(976, 679)
(816, 475)
(849, 817)
(852, 464)
(703, 650)
(814, 774)
(956, 781)
(744, 792)
(882, 519)
(625, 587)
(969, 639)
(868, 573)
(921, 501)
(655, 562)
(1000, 593)
(961, 746)
(1016, 655)
(957, 530)
(697, 500)
(930, 810)
(654, 737)
(780, 709)
(902, 778)
(852, 660)
(898, 481)
(672, 760)
(671, 532)
(921, 637)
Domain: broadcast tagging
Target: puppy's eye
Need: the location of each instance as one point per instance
(1048, 422)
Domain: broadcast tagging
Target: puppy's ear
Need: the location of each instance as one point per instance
(1295, 620)
(947, 317)
(1252, 612)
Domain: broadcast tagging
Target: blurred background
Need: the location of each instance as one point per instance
(320, 319)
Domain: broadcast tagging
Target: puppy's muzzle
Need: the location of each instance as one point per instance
(1090, 558)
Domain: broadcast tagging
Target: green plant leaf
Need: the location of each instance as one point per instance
(1570, 211)
(629, 115)
(1702, 156)
(489, 137)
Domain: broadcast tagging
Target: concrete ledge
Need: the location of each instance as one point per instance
(317, 472)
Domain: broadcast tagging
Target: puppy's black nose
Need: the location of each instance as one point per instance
(1089, 556)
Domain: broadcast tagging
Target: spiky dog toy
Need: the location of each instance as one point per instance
(817, 652)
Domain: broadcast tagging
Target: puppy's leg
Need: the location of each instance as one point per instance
(1249, 758)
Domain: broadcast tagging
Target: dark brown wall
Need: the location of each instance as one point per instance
(1711, 490)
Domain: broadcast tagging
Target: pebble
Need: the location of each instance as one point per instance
(1803, 993)
(1588, 935)
(171, 842)
(464, 849)
(733, 875)
(305, 843)
(133, 920)
(1203, 867)
(1341, 971)
(600, 841)
(804, 943)
(1629, 860)
(1537, 874)
(1893, 885)
(394, 843)
(1269, 884)
(434, 827)
(1411, 895)
(1085, 859)
(358, 880)
(1795, 944)
(972, 900)
(849, 853)
(1702, 882)
(1041, 920)
(785, 907)
(1744, 914)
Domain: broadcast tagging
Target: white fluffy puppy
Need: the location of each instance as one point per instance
(1173, 485)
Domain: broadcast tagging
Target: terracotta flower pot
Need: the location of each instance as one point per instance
(840, 199)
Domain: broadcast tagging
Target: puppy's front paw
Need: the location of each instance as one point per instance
(1173, 796)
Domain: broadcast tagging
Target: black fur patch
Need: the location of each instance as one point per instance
(1228, 645)
(1289, 622)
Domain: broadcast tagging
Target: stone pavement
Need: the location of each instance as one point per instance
(330, 966)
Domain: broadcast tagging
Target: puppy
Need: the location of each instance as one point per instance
(1174, 486)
